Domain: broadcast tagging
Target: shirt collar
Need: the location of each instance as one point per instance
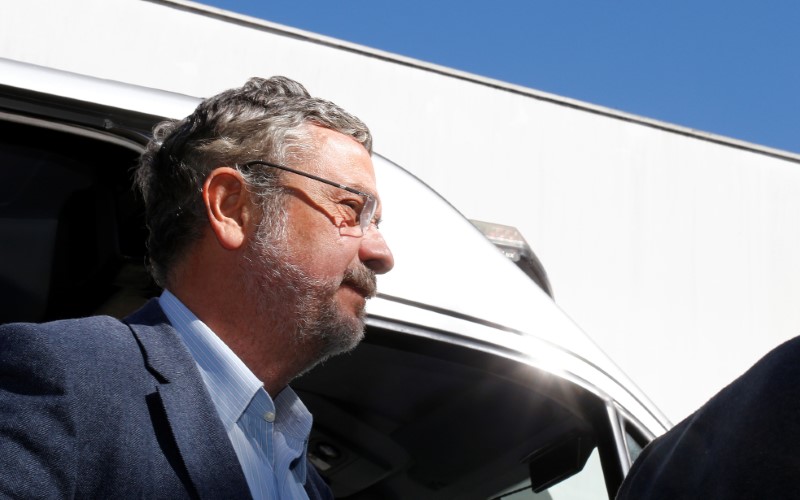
(294, 419)
(233, 387)
(231, 384)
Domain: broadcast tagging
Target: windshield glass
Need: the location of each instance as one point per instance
(588, 484)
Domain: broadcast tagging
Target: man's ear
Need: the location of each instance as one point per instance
(228, 207)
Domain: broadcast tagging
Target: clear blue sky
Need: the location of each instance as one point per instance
(727, 67)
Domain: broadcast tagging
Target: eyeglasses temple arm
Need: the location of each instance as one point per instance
(310, 176)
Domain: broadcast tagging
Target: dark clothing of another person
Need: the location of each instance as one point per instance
(743, 444)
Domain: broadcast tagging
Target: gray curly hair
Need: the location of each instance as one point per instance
(265, 119)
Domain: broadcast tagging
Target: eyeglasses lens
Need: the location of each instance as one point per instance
(367, 214)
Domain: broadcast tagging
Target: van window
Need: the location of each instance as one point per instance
(71, 224)
(410, 417)
(634, 441)
(588, 484)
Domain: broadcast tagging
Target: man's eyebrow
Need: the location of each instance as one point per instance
(358, 186)
(364, 189)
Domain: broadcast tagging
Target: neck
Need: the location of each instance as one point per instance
(262, 334)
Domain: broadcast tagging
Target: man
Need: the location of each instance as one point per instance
(263, 211)
(742, 444)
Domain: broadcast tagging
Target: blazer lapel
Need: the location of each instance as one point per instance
(191, 417)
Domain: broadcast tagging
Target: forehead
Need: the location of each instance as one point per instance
(342, 159)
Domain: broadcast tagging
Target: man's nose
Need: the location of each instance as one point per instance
(375, 253)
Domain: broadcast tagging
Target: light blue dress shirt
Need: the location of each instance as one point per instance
(270, 438)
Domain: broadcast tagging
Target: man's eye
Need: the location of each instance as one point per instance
(354, 206)
(351, 209)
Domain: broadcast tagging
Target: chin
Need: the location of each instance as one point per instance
(344, 338)
(332, 343)
(335, 330)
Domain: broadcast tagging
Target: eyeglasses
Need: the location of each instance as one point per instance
(357, 221)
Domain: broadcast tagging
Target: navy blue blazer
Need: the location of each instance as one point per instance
(744, 443)
(99, 408)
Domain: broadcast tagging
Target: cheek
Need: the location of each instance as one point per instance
(315, 244)
(324, 255)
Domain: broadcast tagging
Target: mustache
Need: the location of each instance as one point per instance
(362, 279)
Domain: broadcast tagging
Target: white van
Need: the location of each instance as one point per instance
(471, 382)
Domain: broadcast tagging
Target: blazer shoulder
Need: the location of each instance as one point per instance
(85, 330)
(65, 333)
(93, 342)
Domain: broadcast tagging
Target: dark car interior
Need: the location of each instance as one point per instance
(70, 221)
(422, 419)
(402, 416)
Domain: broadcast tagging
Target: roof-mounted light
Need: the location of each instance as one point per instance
(513, 245)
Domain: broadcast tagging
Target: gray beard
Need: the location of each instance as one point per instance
(307, 305)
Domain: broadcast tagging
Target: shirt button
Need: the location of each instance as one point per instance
(269, 416)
